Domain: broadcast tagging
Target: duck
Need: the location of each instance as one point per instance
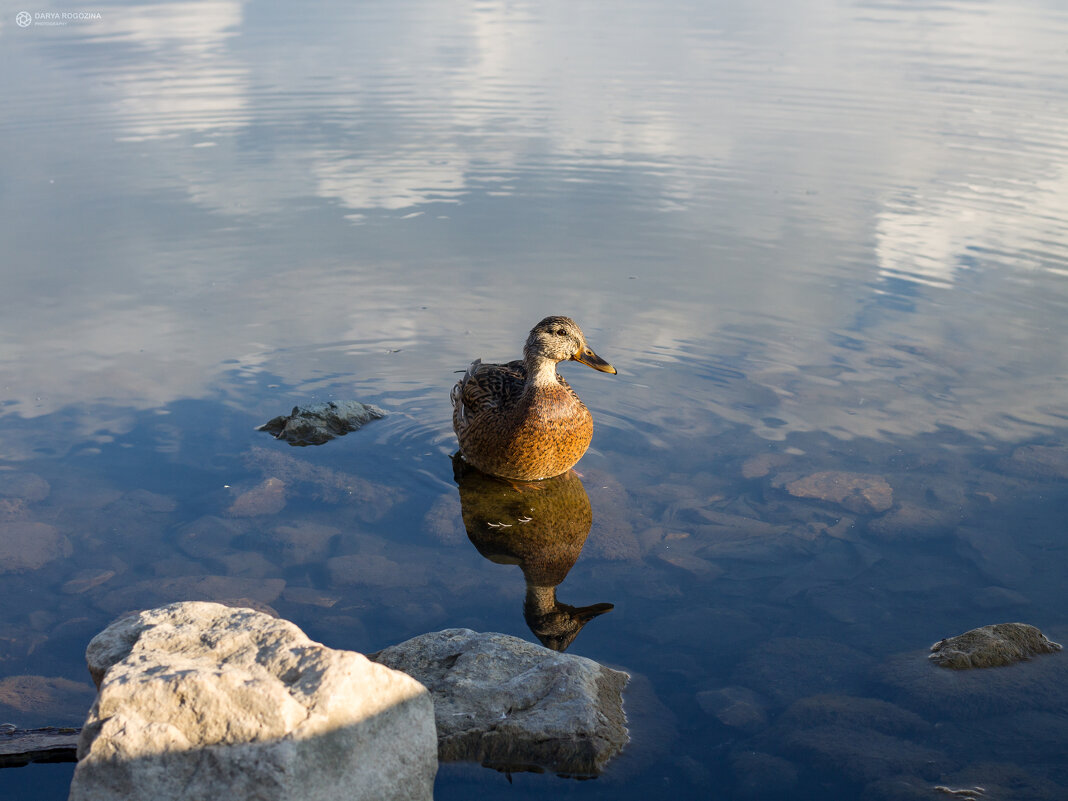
(522, 421)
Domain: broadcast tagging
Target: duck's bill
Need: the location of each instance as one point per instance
(591, 359)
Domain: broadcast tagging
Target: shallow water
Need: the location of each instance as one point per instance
(811, 237)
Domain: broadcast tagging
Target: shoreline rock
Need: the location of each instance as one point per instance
(195, 697)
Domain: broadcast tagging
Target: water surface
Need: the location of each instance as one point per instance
(811, 237)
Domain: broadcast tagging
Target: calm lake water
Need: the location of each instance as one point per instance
(816, 236)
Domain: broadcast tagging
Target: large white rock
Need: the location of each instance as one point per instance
(202, 701)
(513, 705)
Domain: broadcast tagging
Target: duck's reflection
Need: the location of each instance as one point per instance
(539, 526)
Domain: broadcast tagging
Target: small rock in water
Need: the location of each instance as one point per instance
(863, 494)
(26, 545)
(266, 499)
(321, 422)
(991, 646)
(28, 487)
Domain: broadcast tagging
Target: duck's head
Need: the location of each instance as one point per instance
(559, 339)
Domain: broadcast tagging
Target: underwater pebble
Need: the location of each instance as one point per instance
(44, 700)
(857, 492)
(85, 580)
(760, 465)
(28, 487)
(309, 596)
(1043, 461)
(28, 546)
(220, 589)
(266, 499)
(374, 571)
(911, 522)
(737, 707)
(303, 542)
(994, 554)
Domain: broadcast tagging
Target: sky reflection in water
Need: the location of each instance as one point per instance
(836, 234)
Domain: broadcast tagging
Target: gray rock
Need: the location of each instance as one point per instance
(991, 646)
(196, 699)
(912, 522)
(28, 487)
(1041, 460)
(321, 422)
(857, 492)
(26, 545)
(994, 554)
(37, 700)
(513, 705)
(862, 754)
(266, 498)
(159, 591)
(737, 707)
(852, 712)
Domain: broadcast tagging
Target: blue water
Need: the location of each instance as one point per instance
(829, 236)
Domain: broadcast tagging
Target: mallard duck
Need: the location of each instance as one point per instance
(521, 420)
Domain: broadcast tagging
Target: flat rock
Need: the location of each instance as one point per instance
(266, 498)
(154, 592)
(763, 463)
(374, 571)
(371, 500)
(911, 522)
(302, 542)
(26, 545)
(198, 699)
(513, 705)
(321, 422)
(1042, 460)
(36, 700)
(991, 646)
(737, 707)
(857, 492)
(85, 580)
(28, 487)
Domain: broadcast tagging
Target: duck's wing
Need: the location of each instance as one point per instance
(488, 387)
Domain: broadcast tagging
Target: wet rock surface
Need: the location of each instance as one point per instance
(321, 422)
(513, 705)
(992, 646)
(194, 697)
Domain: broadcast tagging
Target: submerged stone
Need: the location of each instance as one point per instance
(857, 492)
(321, 422)
(513, 705)
(26, 545)
(991, 646)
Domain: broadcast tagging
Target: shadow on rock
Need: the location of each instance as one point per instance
(539, 526)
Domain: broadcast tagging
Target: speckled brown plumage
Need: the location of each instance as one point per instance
(521, 420)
